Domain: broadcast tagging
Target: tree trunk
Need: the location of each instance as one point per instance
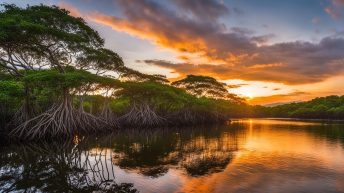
(60, 120)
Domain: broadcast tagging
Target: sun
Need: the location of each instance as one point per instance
(249, 96)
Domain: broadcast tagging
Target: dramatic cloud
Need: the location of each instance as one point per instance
(150, 20)
(291, 63)
(195, 28)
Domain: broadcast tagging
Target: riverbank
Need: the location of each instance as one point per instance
(291, 119)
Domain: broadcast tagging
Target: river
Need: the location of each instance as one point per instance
(245, 155)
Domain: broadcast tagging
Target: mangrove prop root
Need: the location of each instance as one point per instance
(142, 115)
(61, 119)
(194, 117)
(23, 114)
(109, 116)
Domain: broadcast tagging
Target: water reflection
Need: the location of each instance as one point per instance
(197, 151)
(244, 156)
(57, 167)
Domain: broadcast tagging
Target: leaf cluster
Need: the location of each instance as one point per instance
(205, 86)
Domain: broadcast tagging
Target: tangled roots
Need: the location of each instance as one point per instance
(23, 114)
(109, 116)
(143, 116)
(61, 119)
(194, 117)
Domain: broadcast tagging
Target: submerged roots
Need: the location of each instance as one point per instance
(23, 114)
(142, 115)
(61, 119)
(64, 120)
(194, 117)
(109, 116)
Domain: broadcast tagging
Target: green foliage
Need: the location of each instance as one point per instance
(72, 78)
(337, 112)
(87, 106)
(5, 76)
(11, 96)
(10, 91)
(100, 60)
(330, 107)
(40, 35)
(120, 105)
(33, 23)
(160, 96)
(169, 99)
(205, 86)
(128, 74)
(91, 103)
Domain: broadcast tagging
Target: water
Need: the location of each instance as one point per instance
(257, 155)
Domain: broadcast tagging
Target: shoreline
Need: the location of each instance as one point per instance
(291, 119)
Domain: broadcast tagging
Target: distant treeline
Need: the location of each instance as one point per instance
(330, 107)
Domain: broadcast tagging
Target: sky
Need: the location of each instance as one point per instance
(268, 51)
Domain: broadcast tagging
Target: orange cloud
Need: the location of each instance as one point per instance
(282, 98)
(169, 30)
(237, 52)
(146, 30)
(261, 72)
(257, 66)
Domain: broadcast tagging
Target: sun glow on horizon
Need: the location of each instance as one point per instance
(253, 89)
(247, 96)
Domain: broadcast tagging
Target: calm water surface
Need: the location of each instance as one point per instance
(257, 155)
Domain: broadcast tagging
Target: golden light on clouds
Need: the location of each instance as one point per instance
(145, 30)
(269, 93)
(200, 43)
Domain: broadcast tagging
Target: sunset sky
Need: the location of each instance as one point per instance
(270, 51)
